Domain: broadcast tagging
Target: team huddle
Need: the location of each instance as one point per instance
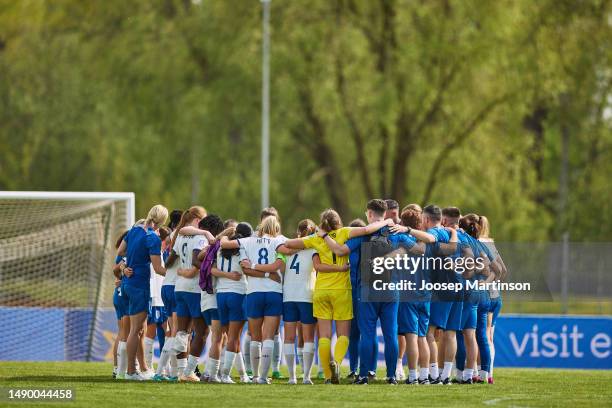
(201, 278)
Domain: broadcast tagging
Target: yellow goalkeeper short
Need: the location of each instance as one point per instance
(332, 304)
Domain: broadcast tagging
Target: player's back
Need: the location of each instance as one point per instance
(300, 276)
(231, 264)
(261, 250)
(139, 242)
(184, 247)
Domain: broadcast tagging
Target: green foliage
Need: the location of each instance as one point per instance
(453, 102)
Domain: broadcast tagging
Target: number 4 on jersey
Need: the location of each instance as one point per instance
(295, 265)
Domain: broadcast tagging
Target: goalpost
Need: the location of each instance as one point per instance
(56, 284)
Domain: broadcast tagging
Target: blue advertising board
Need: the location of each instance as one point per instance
(553, 341)
(544, 341)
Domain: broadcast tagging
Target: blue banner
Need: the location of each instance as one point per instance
(553, 341)
(544, 341)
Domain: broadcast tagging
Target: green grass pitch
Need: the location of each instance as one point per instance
(94, 387)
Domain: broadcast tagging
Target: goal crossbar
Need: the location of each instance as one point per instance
(78, 196)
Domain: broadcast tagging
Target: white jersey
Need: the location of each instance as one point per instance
(184, 247)
(227, 285)
(156, 284)
(170, 278)
(261, 250)
(300, 277)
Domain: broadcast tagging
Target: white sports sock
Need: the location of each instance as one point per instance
(246, 347)
(467, 374)
(276, 353)
(424, 373)
(180, 342)
(289, 352)
(181, 364)
(221, 359)
(491, 365)
(308, 354)
(483, 375)
(165, 355)
(228, 362)
(412, 375)
(239, 363)
(212, 367)
(208, 367)
(446, 372)
(267, 349)
(192, 362)
(300, 356)
(122, 357)
(433, 369)
(148, 351)
(400, 365)
(173, 364)
(255, 357)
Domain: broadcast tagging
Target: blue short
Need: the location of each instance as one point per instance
(454, 317)
(298, 312)
(167, 294)
(137, 299)
(157, 315)
(446, 315)
(187, 304)
(260, 304)
(230, 307)
(469, 315)
(439, 313)
(495, 306)
(119, 301)
(209, 315)
(413, 317)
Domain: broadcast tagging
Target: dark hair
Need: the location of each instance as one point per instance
(357, 222)
(471, 225)
(175, 218)
(411, 218)
(118, 243)
(229, 223)
(391, 204)
(452, 212)
(212, 223)
(164, 232)
(378, 206)
(243, 230)
(433, 212)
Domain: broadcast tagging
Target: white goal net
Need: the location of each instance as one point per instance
(56, 284)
